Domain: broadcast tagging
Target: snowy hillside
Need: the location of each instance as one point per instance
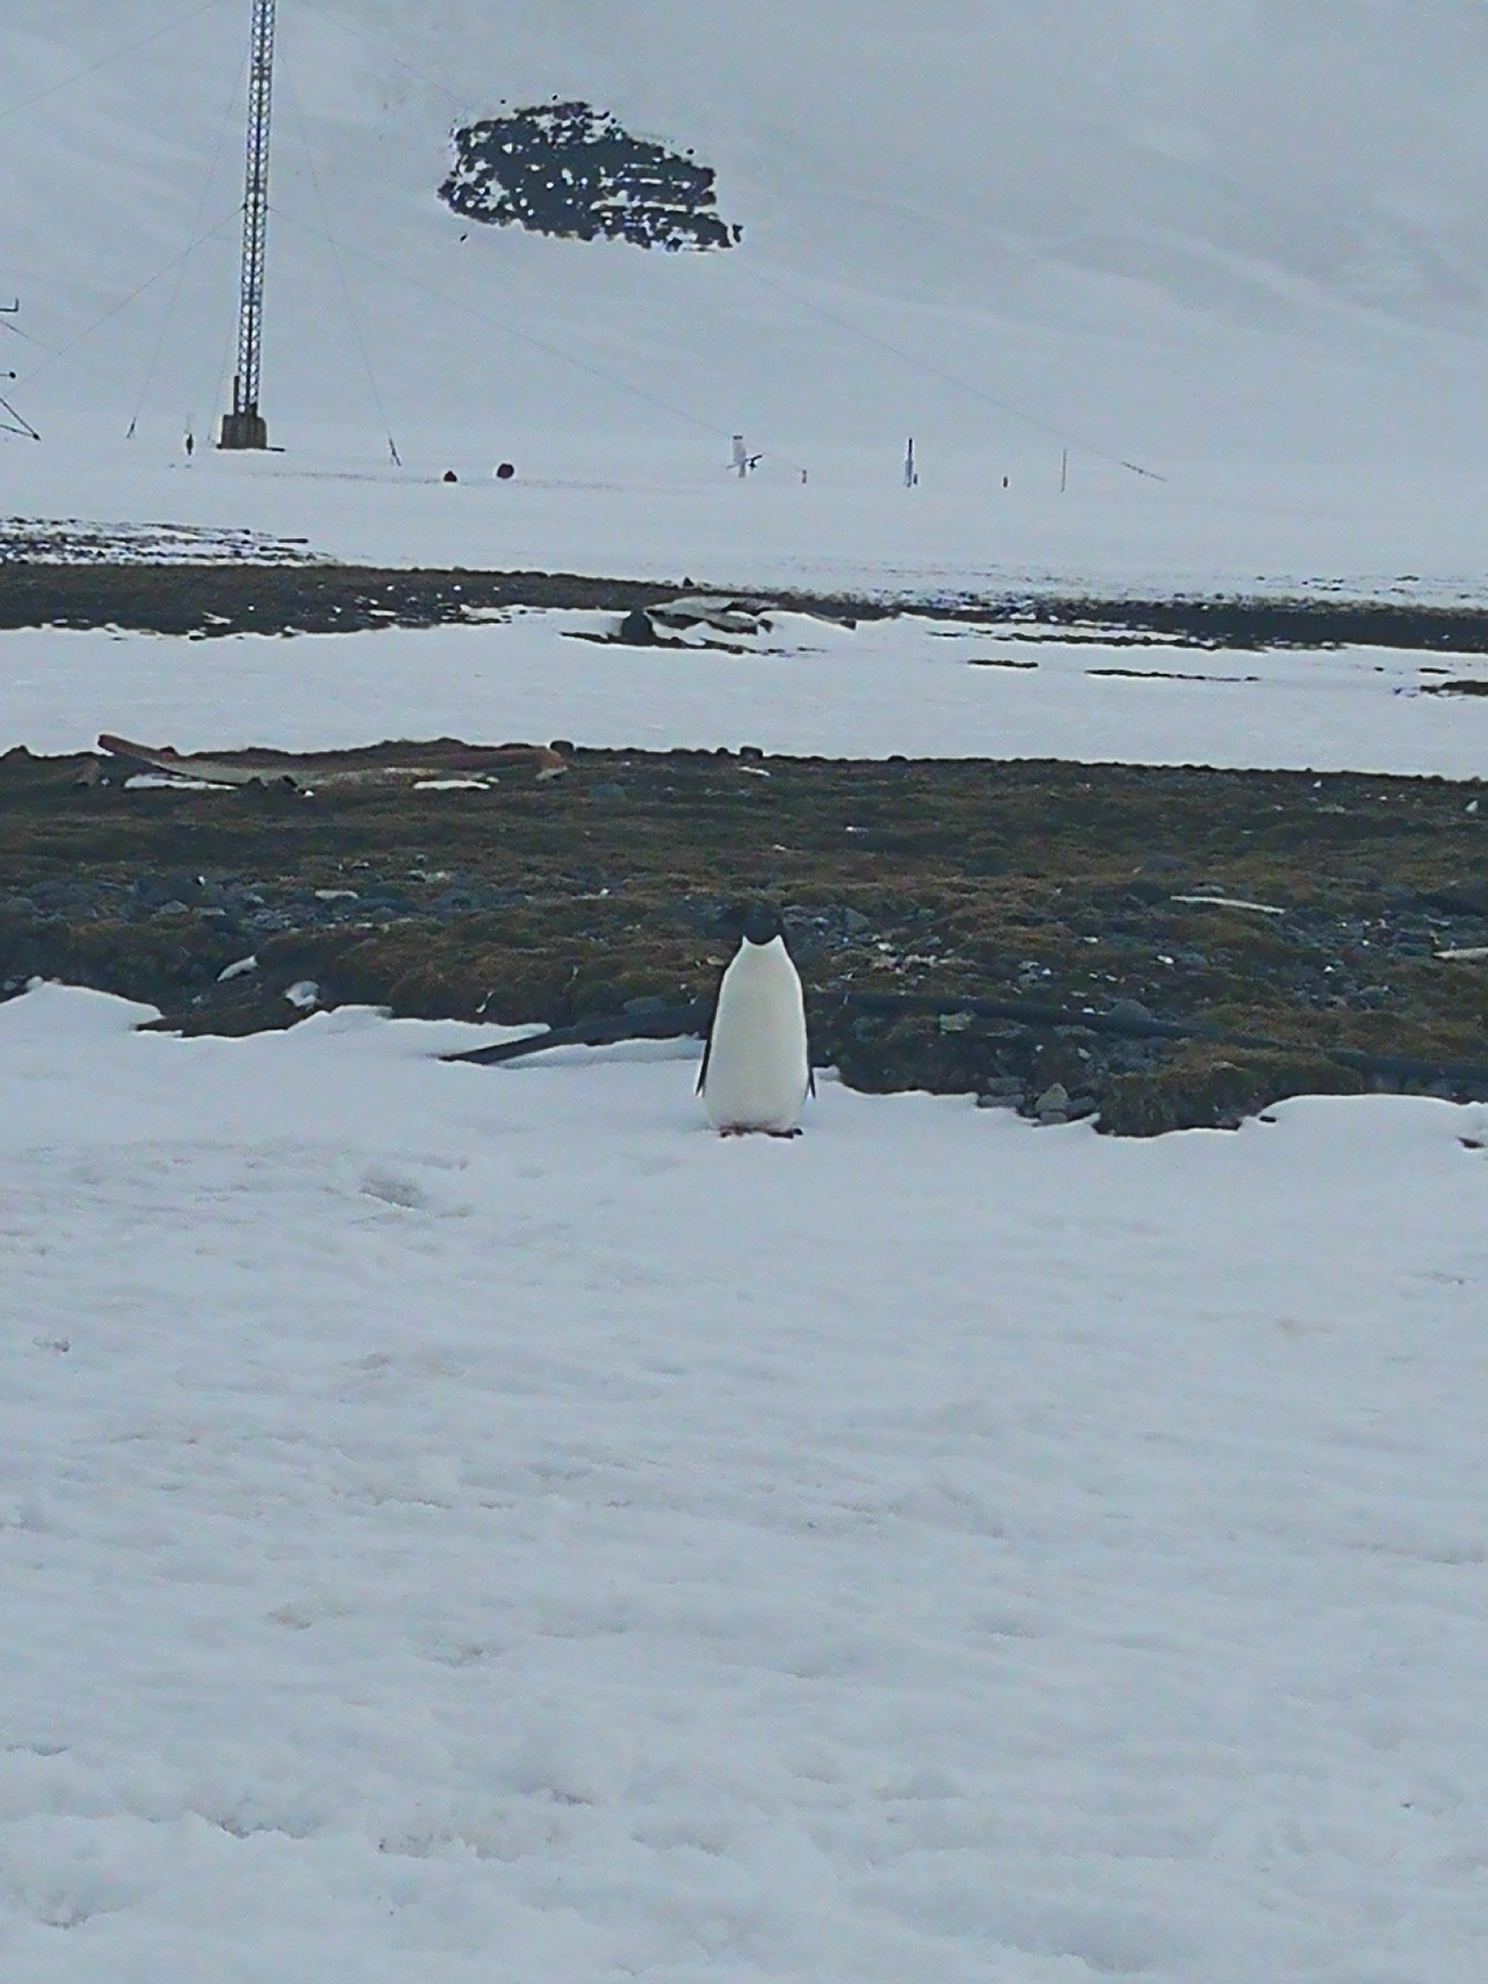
(1243, 246)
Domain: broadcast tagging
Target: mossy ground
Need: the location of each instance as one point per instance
(1014, 880)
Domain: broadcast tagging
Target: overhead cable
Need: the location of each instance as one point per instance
(62, 350)
(325, 221)
(949, 378)
(201, 207)
(105, 61)
(510, 330)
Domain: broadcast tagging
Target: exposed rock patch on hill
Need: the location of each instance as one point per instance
(567, 169)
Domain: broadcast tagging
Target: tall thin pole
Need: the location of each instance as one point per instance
(245, 426)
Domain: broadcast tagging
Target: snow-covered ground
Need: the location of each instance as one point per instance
(461, 1524)
(906, 684)
(1293, 531)
(852, 527)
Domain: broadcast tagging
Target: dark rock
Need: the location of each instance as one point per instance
(1465, 898)
(637, 629)
(1129, 1011)
(156, 891)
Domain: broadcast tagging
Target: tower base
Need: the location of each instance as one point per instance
(247, 429)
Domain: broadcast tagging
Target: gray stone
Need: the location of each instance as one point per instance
(1127, 1010)
(155, 892)
(1054, 1102)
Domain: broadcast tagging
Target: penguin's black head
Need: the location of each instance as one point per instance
(762, 925)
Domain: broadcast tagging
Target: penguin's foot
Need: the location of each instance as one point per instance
(784, 1133)
(755, 1130)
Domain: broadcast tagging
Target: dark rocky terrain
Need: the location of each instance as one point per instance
(1054, 893)
(570, 170)
(315, 596)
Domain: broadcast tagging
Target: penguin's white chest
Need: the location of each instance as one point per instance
(758, 1070)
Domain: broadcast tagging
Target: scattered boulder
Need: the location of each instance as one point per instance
(724, 613)
(637, 629)
(1053, 1105)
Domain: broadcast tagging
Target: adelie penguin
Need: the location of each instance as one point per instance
(756, 1071)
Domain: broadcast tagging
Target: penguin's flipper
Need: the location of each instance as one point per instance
(810, 1080)
(707, 1050)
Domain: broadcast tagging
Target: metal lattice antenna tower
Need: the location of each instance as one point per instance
(245, 426)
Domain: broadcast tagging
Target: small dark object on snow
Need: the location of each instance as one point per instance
(505, 471)
(449, 476)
